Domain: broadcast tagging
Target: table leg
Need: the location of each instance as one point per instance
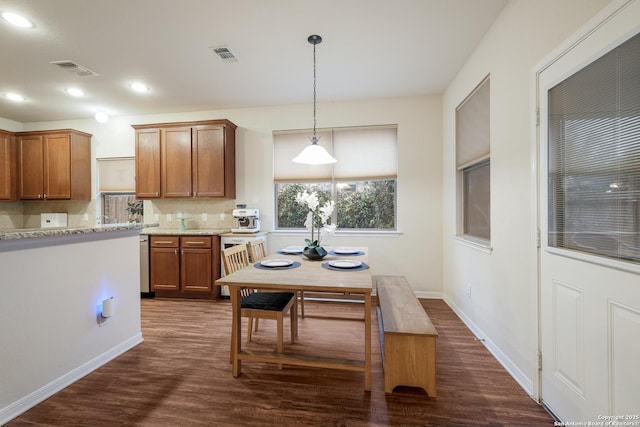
(236, 325)
(367, 342)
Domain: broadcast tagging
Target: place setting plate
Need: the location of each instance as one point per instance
(291, 250)
(346, 252)
(345, 265)
(276, 264)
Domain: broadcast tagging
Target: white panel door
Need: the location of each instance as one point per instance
(589, 305)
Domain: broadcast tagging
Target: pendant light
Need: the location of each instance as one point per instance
(314, 154)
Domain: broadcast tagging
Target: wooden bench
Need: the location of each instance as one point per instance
(407, 337)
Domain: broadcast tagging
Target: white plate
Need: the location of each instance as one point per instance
(276, 263)
(346, 251)
(292, 250)
(347, 263)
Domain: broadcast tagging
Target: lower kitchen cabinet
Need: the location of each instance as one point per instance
(185, 266)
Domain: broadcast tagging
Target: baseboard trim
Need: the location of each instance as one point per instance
(517, 374)
(29, 401)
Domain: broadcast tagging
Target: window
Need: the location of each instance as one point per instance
(116, 184)
(362, 182)
(594, 157)
(473, 164)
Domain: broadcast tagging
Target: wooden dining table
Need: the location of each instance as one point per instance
(310, 276)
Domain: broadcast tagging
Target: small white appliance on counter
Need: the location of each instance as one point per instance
(246, 220)
(49, 220)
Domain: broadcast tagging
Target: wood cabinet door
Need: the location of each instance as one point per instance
(165, 269)
(7, 167)
(195, 270)
(31, 152)
(57, 166)
(147, 163)
(176, 162)
(208, 161)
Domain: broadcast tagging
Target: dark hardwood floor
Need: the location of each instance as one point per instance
(181, 376)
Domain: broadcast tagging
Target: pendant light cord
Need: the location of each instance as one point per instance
(314, 94)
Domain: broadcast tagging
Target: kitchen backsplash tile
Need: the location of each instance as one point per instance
(11, 215)
(84, 213)
(218, 212)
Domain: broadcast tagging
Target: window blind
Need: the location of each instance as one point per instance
(287, 145)
(368, 152)
(594, 157)
(365, 153)
(116, 175)
(472, 127)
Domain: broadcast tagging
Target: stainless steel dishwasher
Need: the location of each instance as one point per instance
(145, 286)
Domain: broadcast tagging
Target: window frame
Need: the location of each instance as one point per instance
(334, 182)
(473, 151)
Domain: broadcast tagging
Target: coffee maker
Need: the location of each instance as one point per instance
(246, 221)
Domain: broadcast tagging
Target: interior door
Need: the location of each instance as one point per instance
(589, 304)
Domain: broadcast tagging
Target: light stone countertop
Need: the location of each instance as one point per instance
(29, 233)
(187, 232)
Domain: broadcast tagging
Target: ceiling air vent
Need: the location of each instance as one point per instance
(225, 54)
(74, 68)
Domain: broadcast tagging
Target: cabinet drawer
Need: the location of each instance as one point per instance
(195, 242)
(165, 241)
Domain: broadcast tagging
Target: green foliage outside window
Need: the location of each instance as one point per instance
(359, 204)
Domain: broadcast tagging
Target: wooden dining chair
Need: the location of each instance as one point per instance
(256, 250)
(261, 305)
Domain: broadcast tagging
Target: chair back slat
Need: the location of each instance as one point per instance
(235, 258)
(256, 250)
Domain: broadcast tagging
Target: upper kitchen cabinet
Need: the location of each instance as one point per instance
(8, 166)
(54, 165)
(147, 163)
(186, 159)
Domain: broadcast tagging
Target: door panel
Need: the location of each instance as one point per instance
(176, 162)
(208, 161)
(31, 167)
(57, 166)
(589, 305)
(147, 163)
(195, 267)
(165, 269)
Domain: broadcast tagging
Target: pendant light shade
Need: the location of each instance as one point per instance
(314, 154)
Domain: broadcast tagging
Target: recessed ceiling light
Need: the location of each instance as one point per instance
(74, 91)
(14, 97)
(17, 20)
(139, 87)
(102, 117)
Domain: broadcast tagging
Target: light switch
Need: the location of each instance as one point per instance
(168, 217)
(204, 216)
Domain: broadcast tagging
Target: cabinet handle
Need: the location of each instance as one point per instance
(194, 243)
(175, 252)
(163, 242)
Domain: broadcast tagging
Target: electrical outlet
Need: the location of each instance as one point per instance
(204, 216)
(156, 217)
(222, 216)
(85, 217)
(469, 290)
(169, 218)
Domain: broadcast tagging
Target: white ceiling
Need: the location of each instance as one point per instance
(370, 49)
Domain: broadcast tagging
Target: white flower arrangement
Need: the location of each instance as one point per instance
(317, 218)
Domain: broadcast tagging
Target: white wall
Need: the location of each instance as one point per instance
(502, 307)
(415, 252)
(48, 312)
